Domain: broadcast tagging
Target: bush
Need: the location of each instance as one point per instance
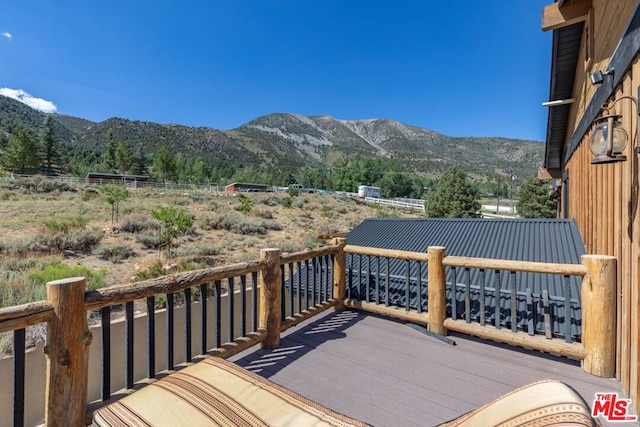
(246, 204)
(116, 253)
(151, 241)
(64, 222)
(270, 200)
(57, 271)
(138, 224)
(80, 240)
(263, 213)
(240, 225)
(286, 201)
(293, 192)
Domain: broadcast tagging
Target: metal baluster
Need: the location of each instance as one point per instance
(377, 280)
(530, 313)
(368, 280)
(299, 265)
(218, 288)
(254, 298)
(407, 286)
(105, 323)
(170, 323)
(128, 308)
(514, 301)
(151, 337)
(203, 318)
(482, 297)
(387, 286)
(291, 290)
(187, 324)
(283, 299)
(496, 292)
(419, 288)
(467, 295)
(243, 305)
(19, 349)
(230, 307)
(454, 295)
(567, 309)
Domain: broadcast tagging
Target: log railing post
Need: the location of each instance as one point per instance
(67, 350)
(270, 316)
(437, 287)
(339, 273)
(598, 302)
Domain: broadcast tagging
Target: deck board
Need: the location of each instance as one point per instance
(388, 374)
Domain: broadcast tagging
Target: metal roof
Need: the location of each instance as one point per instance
(564, 59)
(539, 240)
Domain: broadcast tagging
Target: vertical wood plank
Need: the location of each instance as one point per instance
(546, 309)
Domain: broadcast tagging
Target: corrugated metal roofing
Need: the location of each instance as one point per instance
(538, 240)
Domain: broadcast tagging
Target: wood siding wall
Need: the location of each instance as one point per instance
(603, 199)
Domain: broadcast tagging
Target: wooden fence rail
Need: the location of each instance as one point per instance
(68, 337)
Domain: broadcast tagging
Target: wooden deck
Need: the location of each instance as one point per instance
(387, 373)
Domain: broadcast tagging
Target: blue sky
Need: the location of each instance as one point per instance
(461, 68)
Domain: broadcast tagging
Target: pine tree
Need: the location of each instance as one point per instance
(50, 154)
(535, 199)
(21, 153)
(123, 157)
(164, 163)
(110, 154)
(454, 197)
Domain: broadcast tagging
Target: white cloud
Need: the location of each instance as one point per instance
(7, 35)
(33, 102)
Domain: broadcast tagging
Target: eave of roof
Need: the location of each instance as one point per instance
(564, 59)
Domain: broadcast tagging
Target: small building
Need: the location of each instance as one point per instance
(131, 181)
(246, 187)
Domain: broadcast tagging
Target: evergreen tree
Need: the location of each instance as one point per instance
(164, 163)
(110, 154)
(454, 197)
(50, 154)
(21, 153)
(124, 157)
(535, 200)
(140, 162)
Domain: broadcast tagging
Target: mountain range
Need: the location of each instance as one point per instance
(292, 141)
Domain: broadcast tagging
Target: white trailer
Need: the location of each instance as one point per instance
(368, 191)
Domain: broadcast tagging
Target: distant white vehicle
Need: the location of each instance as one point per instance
(368, 191)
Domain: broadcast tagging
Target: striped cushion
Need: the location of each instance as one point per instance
(215, 392)
(543, 403)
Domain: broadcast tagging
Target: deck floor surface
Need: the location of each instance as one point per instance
(387, 373)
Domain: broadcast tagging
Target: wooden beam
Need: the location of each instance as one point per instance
(269, 279)
(549, 173)
(339, 272)
(558, 15)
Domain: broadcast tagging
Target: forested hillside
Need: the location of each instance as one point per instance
(278, 149)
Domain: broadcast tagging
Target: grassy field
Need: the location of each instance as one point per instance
(51, 230)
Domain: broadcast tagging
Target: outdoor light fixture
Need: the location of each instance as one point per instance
(597, 77)
(609, 139)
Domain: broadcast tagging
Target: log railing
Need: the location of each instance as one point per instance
(195, 300)
(291, 288)
(397, 284)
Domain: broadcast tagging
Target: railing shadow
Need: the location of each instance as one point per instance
(298, 342)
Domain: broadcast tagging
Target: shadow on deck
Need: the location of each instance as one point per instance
(386, 373)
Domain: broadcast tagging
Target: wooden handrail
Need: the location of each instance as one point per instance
(308, 254)
(167, 284)
(526, 266)
(386, 253)
(21, 316)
